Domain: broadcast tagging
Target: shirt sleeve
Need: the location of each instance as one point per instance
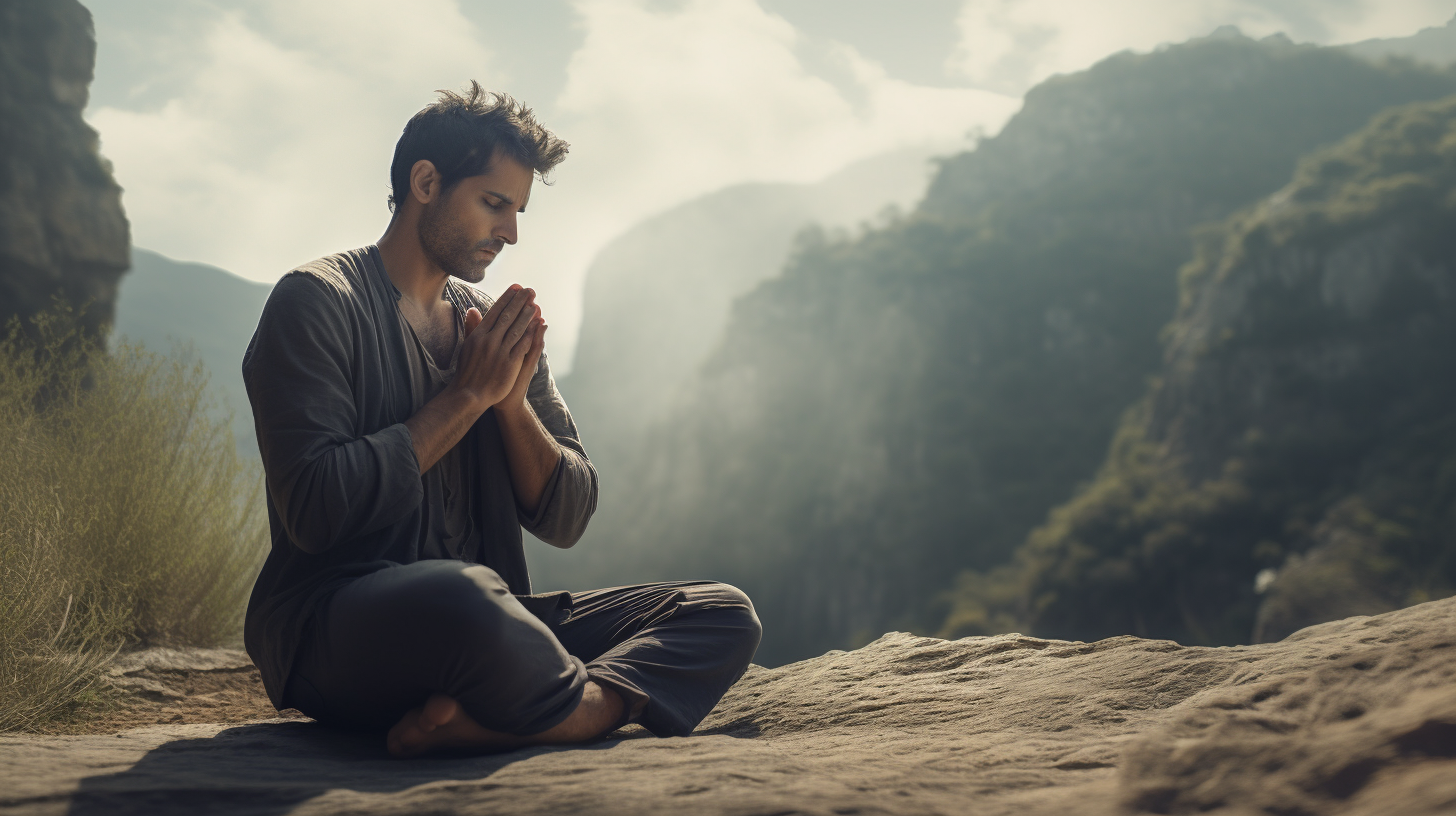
(328, 482)
(570, 496)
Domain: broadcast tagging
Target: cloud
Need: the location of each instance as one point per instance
(662, 105)
(276, 149)
(1010, 45)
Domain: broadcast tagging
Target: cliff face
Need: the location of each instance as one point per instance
(1295, 461)
(910, 403)
(685, 267)
(62, 229)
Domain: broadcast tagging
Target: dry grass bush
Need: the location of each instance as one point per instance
(126, 516)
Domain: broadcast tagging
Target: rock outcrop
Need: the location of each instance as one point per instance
(63, 233)
(1293, 462)
(1352, 717)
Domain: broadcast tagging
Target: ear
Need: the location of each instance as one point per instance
(424, 181)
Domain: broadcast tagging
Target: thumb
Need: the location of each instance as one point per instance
(472, 319)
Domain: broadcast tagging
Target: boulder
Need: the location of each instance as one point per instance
(1351, 717)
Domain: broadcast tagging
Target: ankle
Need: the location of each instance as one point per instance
(615, 711)
(600, 711)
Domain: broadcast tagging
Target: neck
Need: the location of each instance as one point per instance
(406, 263)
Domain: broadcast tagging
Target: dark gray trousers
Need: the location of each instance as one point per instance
(384, 643)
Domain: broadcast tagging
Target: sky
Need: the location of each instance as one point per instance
(256, 135)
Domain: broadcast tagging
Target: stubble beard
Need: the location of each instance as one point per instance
(447, 246)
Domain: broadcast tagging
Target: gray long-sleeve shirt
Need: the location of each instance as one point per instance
(328, 377)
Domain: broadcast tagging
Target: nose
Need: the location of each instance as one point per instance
(506, 229)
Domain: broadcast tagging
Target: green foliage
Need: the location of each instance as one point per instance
(125, 514)
(909, 403)
(1303, 428)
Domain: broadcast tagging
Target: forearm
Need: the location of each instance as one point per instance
(326, 493)
(531, 452)
(440, 424)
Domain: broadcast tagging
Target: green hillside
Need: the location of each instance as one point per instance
(903, 405)
(172, 305)
(1295, 461)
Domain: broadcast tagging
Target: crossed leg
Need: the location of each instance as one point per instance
(441, 655)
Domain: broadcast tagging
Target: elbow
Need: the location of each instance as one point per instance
(563, 540)
(568, 505)
(303, 516)
(564, 534)
(334, 493)
(312, 538)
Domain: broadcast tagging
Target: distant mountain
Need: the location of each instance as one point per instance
(168, 305)
(909, 403)
(1294, 461)
(1435, 45)
(657, 300)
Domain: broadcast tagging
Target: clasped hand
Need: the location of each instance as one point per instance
(500, 351)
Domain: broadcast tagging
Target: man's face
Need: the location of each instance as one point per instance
(465, 228)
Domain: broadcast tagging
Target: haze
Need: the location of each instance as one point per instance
(256, 136)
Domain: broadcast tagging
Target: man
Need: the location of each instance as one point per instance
(409, 428)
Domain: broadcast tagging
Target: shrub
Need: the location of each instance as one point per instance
(126, 516)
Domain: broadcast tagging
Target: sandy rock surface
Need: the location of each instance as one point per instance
(1357, 716)
(166, 686)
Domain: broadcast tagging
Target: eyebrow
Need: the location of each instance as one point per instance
(506, 199)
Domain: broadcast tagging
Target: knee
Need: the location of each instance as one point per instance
(463, 599)
(737, 610)
(453, 583)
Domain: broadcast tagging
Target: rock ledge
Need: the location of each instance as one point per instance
(1352, 717)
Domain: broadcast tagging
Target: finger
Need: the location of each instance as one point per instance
(527, 340)
(512, 314)
(494, 313)
(538, 345)
(522, 321)
(473, 317)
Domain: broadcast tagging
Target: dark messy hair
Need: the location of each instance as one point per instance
(460, 133)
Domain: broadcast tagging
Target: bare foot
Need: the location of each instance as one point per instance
(442, 724)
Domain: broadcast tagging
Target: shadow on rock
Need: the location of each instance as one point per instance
(270, 768)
